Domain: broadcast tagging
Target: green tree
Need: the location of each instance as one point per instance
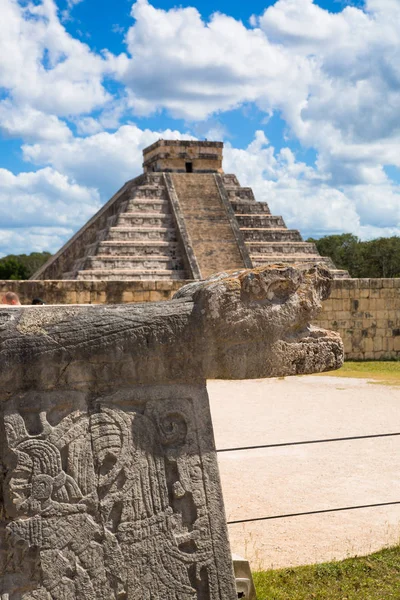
(375, 258)
(11, 268)
(22, 266)
(342, 249)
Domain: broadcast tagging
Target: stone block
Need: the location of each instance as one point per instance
(156, 296)
(128, 296)
(376, 283)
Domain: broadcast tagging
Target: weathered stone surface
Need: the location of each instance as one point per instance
(110, 486)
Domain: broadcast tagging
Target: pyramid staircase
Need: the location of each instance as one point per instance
(266, 237)
(138, 242)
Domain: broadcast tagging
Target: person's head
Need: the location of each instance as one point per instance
(38, 301)
(11, 299)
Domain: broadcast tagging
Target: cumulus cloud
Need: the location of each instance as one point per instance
(45, 199)
(25, 240)
(45, 67)
(193, 68)
(31, 124)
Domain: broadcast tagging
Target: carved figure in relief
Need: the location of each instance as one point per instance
(98, 492)
(52, 514)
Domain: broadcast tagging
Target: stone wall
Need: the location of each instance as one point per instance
(92, 292)
(366, 312)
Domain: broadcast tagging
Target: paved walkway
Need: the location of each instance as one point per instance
(303, 478)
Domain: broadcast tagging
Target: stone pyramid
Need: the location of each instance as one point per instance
(184, 219)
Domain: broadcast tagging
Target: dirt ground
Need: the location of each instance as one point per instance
(276, 481)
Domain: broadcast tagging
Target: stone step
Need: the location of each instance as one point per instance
(246, 208)
(259, 259)
(127, 262)
(134, 248)
(142, 219)
(282, 248)
(241, 194)
(230, 180)
(148, 192)
(261, 220)
(148, 206)
(142, 233)
(264, 234)
(130, 274)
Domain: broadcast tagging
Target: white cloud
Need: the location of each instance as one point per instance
(45, 67)
(25, 240)
(45, 198)
(194, 68)
(31, 124)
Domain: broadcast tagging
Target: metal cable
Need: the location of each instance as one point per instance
(341, 439)
(313, 512)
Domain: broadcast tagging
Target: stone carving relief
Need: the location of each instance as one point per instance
(106, 504)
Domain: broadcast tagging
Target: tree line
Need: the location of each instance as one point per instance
(375, 258)
(22, 266)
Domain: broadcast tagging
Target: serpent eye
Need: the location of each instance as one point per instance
(267, 291)
(280, 291)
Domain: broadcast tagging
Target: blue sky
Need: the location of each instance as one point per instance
(305, 96)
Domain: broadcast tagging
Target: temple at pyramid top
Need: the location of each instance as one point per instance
(184, 219)
(177, 156)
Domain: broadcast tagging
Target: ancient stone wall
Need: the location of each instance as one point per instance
(366, 312)
(92, 292)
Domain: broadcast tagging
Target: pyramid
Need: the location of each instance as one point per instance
(182, 219)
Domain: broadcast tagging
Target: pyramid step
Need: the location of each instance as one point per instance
(259, 260)
(130, 274)
(148, 206)
(142, 219)
(260, 220)
(246, 208)
(127, 262)
(230, 180)
(282, 248)
(142, 233)
(134, 248)
(148, 192)
(264, 234)
(241, 194)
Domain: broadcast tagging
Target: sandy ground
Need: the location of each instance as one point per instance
(277, 481)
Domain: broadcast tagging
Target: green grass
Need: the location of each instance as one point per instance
(387, 372)
(373, 577)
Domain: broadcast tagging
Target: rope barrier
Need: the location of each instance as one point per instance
(313, 512)
(324, 441)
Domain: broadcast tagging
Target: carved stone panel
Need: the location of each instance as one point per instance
(115, 497)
